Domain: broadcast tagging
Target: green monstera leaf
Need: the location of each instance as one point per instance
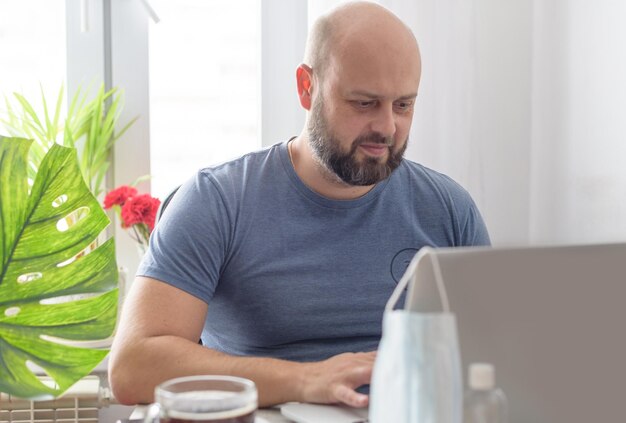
(55, 293)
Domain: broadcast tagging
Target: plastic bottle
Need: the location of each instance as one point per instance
(483, 401)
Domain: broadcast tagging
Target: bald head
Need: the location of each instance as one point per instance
(357, 25)
(358, 84)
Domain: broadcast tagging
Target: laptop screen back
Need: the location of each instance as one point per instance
(552, 320)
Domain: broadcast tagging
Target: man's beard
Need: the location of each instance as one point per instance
(345, 166)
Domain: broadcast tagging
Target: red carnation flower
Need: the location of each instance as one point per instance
(119, 196)
(140, 209)
(136, 212)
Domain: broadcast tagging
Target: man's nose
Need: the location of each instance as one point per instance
(385, 121)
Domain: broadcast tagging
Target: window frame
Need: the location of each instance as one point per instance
(114, 50)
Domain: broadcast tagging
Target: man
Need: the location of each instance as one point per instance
(282, 260)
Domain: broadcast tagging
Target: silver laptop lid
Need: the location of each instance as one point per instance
(551, 319)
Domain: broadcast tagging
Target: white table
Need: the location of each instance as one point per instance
(271, 415)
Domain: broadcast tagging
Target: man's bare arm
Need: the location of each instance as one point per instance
(157, 340)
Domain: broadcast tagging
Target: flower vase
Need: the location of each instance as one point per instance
(141, 250)
(123, 285)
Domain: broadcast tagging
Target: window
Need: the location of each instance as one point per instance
(204, 86)
(32, 45)
(193, 80)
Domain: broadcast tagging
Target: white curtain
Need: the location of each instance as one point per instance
(523, 102)
(578, 139)
(472, 120)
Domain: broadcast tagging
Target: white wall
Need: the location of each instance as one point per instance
(522, 102)
(472, 120)
(579, 125)
(283, 36)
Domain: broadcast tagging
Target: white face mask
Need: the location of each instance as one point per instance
(417, 375)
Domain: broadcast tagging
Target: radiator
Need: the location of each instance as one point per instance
(80, 403)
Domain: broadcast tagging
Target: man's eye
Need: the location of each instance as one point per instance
(361, 104)
(404, 106)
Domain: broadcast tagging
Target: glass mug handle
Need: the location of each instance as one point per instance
(152, 414)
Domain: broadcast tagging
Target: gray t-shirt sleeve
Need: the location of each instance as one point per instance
(175, 256)
(473, 228)
(467, 224)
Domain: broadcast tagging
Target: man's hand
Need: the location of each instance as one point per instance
(335, 380)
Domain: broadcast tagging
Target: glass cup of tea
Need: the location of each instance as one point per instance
(204, 399)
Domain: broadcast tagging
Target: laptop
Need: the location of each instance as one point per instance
(551, 320)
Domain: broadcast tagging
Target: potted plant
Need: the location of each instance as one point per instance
(89, 127)
(53, 296)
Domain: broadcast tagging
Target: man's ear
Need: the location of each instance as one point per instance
(304, 78)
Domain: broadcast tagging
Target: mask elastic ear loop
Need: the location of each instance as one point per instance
(409, 275)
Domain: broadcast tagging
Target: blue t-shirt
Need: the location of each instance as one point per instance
(288, 273)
